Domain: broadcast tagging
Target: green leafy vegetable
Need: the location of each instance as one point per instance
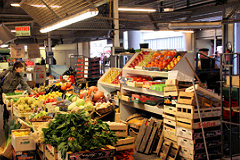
(78, 132)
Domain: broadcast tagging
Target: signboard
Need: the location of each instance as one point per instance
(23, 31)
(33, 51)
(17, 51)
(40, 71)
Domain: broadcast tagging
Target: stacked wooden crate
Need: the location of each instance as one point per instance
(148, 136)
(171, 92)
(188, 126)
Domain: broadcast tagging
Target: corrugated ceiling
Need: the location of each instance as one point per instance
(45, 12)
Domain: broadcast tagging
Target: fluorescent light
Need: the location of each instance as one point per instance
(136, 10)
(168, 9)
(13, 31)
(4, 46)
(70, 20)
(43, 6)
(15, 4)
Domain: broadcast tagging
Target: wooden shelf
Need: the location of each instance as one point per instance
(145, 72)
(144, 91)
(110, 85)
(145, 107)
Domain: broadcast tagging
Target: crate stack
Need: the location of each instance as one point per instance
(91, 68)
(80, 67)
(169, 111)
(188, 126)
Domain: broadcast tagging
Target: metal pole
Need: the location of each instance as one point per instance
(221, 95)
(230, 104)
(116, 29)
(199, 114)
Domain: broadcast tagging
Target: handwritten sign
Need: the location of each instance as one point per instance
(40, 73)
(33, 51)
(17, 51)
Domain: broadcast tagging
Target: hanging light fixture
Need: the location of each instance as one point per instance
(70, 20)
(136, 9)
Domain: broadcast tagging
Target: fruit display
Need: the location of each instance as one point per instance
(161, 59)
(147, 58)
(50, 97)
(27, 104)
(20, 133)
(138, 59)
(39, 90)
(39, 117)
(173, 63)
(112, 76)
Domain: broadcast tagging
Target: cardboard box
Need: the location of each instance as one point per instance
(23, 143)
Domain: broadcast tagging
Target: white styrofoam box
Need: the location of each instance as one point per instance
(23, 143)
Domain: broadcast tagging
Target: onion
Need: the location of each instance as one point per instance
(97, 96)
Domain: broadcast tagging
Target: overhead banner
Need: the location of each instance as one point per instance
(33, 51)
(17, 51)
(23, 31)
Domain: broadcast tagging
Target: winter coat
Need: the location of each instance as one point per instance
(12, 80)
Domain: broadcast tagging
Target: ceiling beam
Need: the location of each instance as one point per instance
(155, 24)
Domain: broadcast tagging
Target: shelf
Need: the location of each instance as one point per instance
(146, 72)
(110, 85)
(145, 107)
(144, 91)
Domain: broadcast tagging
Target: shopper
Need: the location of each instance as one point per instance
(43, 61)
(10, 79)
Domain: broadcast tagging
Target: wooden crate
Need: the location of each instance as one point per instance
(197, 134)
(196, 146)
(171, 82)
(103, 153)
(170, 109)
(189, 98)
(120, 129)
(5, 97)
(190, 124)
(191, 112)
(205, 93)
(186, 154)
(170, 88)
(18, 114)
(169, 122)
(125, 144)
(50, 156)
(171, 93)
(125, 98)
(170, 133)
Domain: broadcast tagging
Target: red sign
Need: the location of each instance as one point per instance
(24, 28)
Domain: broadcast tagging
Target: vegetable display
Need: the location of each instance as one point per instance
(78, 132)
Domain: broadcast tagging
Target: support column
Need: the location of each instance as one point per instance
(86, 49)
(188, 42)
(134, 39)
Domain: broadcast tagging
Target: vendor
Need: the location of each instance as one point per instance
(11, 78)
